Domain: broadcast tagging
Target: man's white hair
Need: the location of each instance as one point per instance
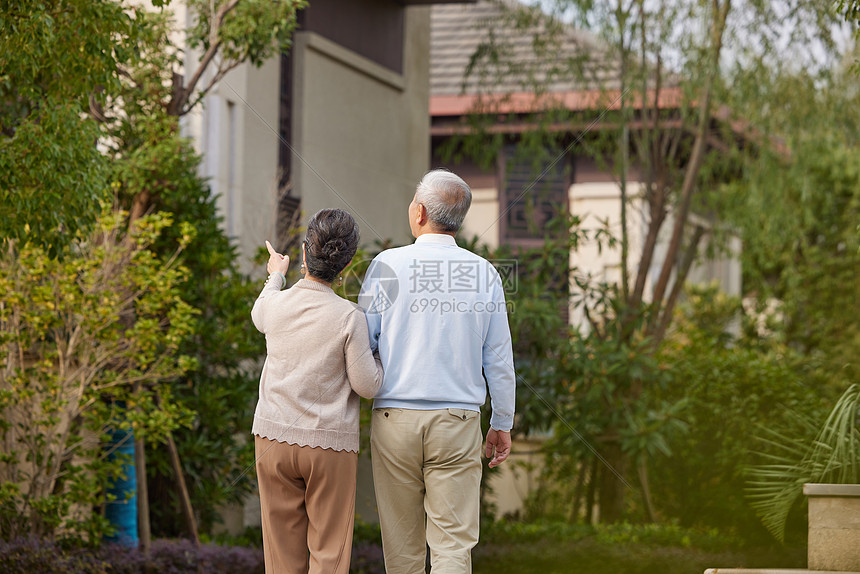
(446, 197)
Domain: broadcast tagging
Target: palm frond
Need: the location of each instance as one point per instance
(832, 457)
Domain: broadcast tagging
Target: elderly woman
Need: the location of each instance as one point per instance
(306, 424)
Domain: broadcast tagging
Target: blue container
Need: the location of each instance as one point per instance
(122, 511)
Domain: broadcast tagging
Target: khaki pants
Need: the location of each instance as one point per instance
(427, 476)
(307, 497)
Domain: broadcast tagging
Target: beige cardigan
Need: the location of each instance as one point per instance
(318, 358)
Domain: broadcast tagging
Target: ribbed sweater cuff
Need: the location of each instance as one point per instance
(502, 422)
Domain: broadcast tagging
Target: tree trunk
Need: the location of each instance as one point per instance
(576, 504)
(139, 207)
(611, 487)
(642, 469)
(184, 497)
(144, 530)
(697, 155)
(625, 152)
(592, 491)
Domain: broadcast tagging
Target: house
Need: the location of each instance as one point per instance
(338, 122)
(490, 67)
(510, 204)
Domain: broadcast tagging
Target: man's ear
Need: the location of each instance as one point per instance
(422, 214)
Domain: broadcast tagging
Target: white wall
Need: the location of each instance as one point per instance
(597, 203)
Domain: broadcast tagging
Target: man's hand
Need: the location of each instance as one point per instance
(277, 262)
(498, 446)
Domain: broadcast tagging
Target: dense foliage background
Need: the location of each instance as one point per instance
(122, 304)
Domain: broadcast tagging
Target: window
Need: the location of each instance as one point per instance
(231, 170)
(533, 193)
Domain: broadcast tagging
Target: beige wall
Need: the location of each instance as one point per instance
(236, 132)
(516, 478)
(596, 202)
(725, 269)
(482, 220)
(362, 131)
(240, 135)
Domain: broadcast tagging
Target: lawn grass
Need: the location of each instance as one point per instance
(592, 557)
(548, 547)
(625, 550)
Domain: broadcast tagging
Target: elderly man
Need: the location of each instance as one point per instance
(437, 315)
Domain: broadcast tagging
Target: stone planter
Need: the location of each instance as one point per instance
(834, 526)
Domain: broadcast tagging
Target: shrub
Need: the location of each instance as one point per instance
(29, 555)
(368, 532)
(367, 559)
(731, 390)
(86, 344)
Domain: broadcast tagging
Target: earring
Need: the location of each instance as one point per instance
(302, 268)
(340, 281)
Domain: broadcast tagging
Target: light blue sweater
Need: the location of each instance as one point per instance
(437, 315)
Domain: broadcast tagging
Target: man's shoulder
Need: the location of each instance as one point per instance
(463, 254)
(392, 253)
(407, 254)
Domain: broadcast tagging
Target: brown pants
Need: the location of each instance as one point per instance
(307, 497)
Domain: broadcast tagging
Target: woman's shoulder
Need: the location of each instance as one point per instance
(350, 308)
(351, 312)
